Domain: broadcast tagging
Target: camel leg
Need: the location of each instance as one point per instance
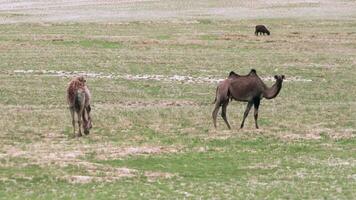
(73, 118)
(249, 105)
(256, 104)
(85, 121)
(80, 122)
(88, 109)
(215, 112)
(223, 113)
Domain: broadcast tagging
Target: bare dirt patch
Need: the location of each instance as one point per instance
(64, 153)
(54, 11)
(263, 166)
(80, 179)
(315, 132)
(57, 155)
(295, 136)
(342, 134)
(158, 103)
(100, 173)
(154, 176)
(319, 133)
(109, 152)
(233, 37)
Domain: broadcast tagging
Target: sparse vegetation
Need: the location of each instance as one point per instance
(154, 139)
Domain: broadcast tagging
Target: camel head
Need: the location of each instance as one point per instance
(87, 126)
(279, 78)
(253, 71)
(81, 79)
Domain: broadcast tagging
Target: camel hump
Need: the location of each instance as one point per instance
(233, 74)
(253, 71)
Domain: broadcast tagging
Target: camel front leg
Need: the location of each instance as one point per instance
(248, 108)
(88, 109)
(256, 104)
(85, 122)
(223, 113)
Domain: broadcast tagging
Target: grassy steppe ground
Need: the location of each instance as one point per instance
(155, 139)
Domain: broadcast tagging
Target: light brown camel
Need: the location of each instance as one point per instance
(248, 88)
(78, 97)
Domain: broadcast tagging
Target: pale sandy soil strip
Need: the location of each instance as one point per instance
(110, 11)
(173, 78)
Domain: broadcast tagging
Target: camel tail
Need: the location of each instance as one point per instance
(216, 95)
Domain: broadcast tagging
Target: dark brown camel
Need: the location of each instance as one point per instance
(262, 30)
(248, 88)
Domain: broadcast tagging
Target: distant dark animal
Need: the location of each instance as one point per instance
(262, 30)
(248, 88)
(78, 98)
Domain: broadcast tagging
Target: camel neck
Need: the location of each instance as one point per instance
(273, 91)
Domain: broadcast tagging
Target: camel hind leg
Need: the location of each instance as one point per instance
(80, 114)
(80, 104)
(72, 113)
(80, 122)
(215, 112)
(221, 98)
(223, 113)
(248, 108)
(85, 121)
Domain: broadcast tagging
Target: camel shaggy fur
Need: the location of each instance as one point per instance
(248, 88)
(78, 98)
